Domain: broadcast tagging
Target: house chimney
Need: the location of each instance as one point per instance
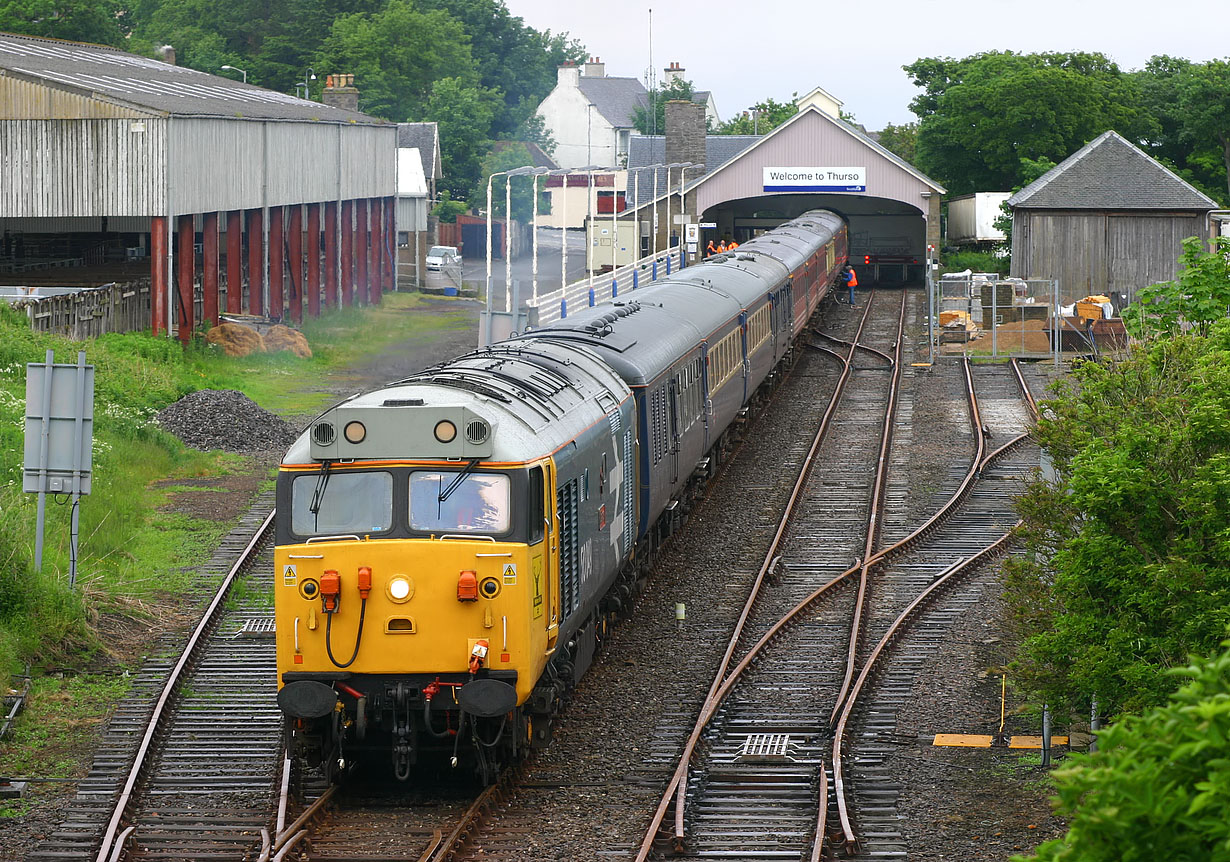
(568, 75)
(674, 72)
(595, 68)
(685, 132)
(167, 54)
(340, 92)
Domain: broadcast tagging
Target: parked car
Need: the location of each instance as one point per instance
(442, 257)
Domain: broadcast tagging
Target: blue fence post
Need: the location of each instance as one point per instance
(655, 270)
(563, 307)
(614, 287)
(683, 260)
(668, 264)
(591, 297)
(634, 272)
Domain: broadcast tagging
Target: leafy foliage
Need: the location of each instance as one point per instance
(1159, 785)
(981, 116)
(103, 22)
(901, 140)
(650, 119)
(464, 114)
(447, 209)
(521, 190)
(760, 119)
(1198, 298)
(1129, 564)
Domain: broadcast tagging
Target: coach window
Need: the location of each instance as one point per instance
(538, 513)
(335, 502)
(449, 501)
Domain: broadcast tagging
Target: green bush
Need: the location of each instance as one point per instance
(978, 261)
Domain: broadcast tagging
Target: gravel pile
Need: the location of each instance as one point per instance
(225, 419)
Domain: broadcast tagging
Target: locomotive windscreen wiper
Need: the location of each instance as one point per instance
(447, 492)
(322, 481)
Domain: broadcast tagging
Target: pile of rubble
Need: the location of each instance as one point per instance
(225, 419)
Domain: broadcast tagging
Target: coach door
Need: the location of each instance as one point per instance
(673, 407)
(545, 565)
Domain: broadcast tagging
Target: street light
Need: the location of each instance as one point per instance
(636, 206)
(515, 172)
(243, 72)
(535, 173)
(308, 77)
(681, 166)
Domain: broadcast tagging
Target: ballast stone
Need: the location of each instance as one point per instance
(225, 419)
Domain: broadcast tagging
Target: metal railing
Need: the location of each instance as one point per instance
(603, 287)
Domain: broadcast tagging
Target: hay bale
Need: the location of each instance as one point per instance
(284, 338)
(235, 339)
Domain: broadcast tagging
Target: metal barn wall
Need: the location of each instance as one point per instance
(812, 141)
(1099, 252)
(32, 100)
(225, 164)
(58, 168)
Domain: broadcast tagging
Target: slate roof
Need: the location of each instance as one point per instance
(425, 138)
(1110, 173)
(651, 150)
(140, 82)
(615, 98)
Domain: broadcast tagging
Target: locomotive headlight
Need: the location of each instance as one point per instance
(355, 432)
(399, 588)
(445, 431)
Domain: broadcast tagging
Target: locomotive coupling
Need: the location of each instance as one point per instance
(478, 655)
(330, 591)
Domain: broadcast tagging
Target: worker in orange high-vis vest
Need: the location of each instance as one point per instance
(709, 249)
(851, 282)
(721, 246)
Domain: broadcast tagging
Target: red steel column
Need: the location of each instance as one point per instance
(277, 257)
(209, 268)
(185, 268)
(234, 262)
(390, 244)
(313, 259)
(256, 263)
(347, 252)
(362, 285)
(158, 274)
(377, 275)
(294, 293)
(331, 263)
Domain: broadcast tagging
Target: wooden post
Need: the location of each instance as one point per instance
(347, 253)
(294, 292)
(256, 263)
(376, 275)
(313, 259)
(159, 286)
(185, 268)
(362, 284)
(390, 245)
(209, 268)
(234, 262)
(277, 269)
(332, 299)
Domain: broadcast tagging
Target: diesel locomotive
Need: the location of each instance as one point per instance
(451, 548)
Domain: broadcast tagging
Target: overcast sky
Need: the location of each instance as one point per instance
(747, 51)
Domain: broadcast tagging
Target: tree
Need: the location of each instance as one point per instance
(900, 140)
(447, 209)
(1128, 570)
(464, 114)
(1204, 103)
(980, 116)
(761, 118)
(1197, 299)
(534, 131)
(517, 60)
(398, 55)
(650, 118)
(103, 22)
(507, 158)
(1159, 785)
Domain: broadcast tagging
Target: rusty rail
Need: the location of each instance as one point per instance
(114, 837)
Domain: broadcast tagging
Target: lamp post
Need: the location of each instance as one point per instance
(308, 77)
(243, 72)
(636, 204)
(681, 166)
(535, 173)
(487, 331)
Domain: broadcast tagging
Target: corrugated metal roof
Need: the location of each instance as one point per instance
(644, 150)
(425, 137)
(113, 75)
(616, 99)
(1110, 173)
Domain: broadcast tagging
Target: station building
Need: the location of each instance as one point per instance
(814, 160)
(219, 191)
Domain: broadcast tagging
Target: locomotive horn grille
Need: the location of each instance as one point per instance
(323, 433)
(477, 431)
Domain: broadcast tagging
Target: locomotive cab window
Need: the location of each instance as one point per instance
(452, 501)
(335, 502)
(537, 509)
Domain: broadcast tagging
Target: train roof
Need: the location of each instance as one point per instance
(537, 395)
